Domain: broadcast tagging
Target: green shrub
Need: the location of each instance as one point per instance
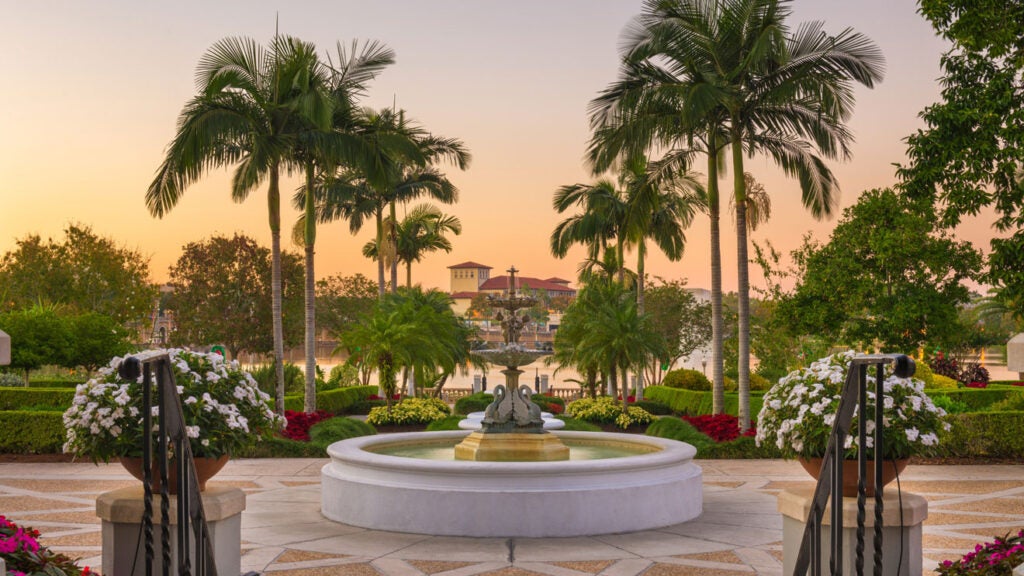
(949, 405)
(343, 375)
(940, 382)
(1013, 403)
(985, 434)
(15, 398)
(363, 407)
(410, 411)
(473, 403)
(294, 379)
(634, 416)
(694, 403)
(277, 447)
(575, 425)
(446, 423)
(656, 408)
(549, 403)
(686, 379)
(55, 383)
(757, 382)
(678, 429)
(607, 410)
(24, 432)
(329, 431)
(924, 373)
(977, 399)
(11, 379)
(335, 401)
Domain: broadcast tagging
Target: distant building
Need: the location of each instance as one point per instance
(469, 279)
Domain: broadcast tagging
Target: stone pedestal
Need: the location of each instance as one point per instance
(795, 505)
(124, 545)
(511, 447)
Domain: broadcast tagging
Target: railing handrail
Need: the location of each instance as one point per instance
(830, 479)
(171, 429)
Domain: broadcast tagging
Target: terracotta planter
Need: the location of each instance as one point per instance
(206, 468)
(890, 469)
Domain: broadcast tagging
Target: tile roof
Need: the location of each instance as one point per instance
(501, 283)
(459, 295)
(470, 264)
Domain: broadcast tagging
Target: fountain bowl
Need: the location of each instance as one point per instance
(658, 486)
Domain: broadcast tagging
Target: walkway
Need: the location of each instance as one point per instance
(283, 533)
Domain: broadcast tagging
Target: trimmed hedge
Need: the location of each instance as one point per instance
(56, 398)
(55, 383)
(694, 402)
(446, 423)
(985, 434)
(742, 447)
(31, 432)
(978, 399)
(477, 402)
(327, 432)
(335, 401)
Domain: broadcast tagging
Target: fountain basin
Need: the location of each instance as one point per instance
(658, 486)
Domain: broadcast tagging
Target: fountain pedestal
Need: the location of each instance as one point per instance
(511, 447)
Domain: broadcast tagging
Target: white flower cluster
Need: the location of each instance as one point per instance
(799, 411)
(222, 405)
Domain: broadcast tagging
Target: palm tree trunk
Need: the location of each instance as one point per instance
(380, 247)
(625, 390)
(620, 256)
(392, 232)
(408, 274)
(309, 405)
(641, 253)
(717, 374)
(274, 209)
(743, 284)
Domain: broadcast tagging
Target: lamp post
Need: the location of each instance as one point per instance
(704, 364)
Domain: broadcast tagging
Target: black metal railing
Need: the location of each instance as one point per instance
(830, 481)
(171, 435)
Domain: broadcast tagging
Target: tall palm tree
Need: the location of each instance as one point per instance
(604, 210)
(253, 104)
(422, 231)
(783, 94)
(325, 146)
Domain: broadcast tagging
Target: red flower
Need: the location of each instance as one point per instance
(718, 427)
(299, 423)
(977, 385)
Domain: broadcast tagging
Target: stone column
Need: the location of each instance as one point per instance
(123, 541)
(898, 540)
(5, 349)
(1015, 355)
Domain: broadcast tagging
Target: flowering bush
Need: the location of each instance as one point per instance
(992, 558)
(224, 409)
(718, 427)
(799, 411)
(409, 411)
(299, 423)
(605, 409)
(20, 549)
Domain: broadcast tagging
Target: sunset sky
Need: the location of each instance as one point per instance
(92, 91)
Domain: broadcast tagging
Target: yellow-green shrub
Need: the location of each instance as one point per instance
(409, 411)
(686, 379)
(940, 382)
(606, 410)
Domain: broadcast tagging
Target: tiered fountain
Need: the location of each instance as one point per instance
(511, 477)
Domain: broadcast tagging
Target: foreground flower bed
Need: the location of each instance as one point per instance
(719, 427)
(20, 549)
(992, 558)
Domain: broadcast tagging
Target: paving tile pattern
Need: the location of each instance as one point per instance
(740, 532)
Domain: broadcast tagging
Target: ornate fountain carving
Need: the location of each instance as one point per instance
(512, 427)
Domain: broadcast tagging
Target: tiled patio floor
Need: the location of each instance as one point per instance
(740, 532)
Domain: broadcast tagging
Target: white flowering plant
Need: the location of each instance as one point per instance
(799, 411)
(224, 409)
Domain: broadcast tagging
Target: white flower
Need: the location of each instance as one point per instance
(912, 434)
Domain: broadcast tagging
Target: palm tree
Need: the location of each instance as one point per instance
(784, 94)
(325, 146)
(253, 104)
(420, 232)
(604, 210)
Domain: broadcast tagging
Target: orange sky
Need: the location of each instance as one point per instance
(92, 93)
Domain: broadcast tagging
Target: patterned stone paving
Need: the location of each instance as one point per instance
(739, 533)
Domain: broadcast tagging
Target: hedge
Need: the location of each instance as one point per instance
(694, 402)
(15, 398)
(335, 401)
(985, 434)
(55, 383)
(977, 399)
(31, 432)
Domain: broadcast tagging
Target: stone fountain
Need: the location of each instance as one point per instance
(511, 478)
(512, 428)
